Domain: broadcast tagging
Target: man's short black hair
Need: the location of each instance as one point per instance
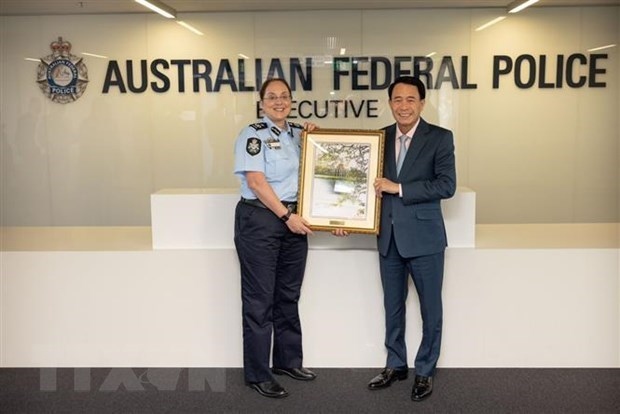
(409, 80)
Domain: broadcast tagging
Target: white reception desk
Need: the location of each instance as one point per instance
(203, 219)
(527, 295)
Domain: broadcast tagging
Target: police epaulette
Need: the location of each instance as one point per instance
(294, 125)
(259, 125)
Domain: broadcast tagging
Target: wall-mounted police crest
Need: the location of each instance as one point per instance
(62, 76)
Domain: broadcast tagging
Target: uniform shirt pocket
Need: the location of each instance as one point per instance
(277, 161)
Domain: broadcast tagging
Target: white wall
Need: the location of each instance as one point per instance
(531, 155)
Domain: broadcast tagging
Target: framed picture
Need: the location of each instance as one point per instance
(338, 169)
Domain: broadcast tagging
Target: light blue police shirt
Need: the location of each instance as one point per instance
(266, 148)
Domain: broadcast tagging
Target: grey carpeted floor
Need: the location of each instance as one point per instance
(222, 390)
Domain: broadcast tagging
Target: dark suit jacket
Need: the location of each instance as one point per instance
(428, 175)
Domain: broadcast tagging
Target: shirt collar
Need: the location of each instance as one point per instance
(409, 134)
(271, 124)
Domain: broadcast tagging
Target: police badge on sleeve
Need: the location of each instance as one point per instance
(62, 76)
(252, 146)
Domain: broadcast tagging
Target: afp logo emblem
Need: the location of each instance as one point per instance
(62, 76)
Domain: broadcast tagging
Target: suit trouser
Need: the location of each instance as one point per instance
(273, 261)
(427, 275)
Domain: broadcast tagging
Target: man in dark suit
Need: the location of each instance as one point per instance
(419, 171)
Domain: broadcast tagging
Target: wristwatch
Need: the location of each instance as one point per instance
(285, 217)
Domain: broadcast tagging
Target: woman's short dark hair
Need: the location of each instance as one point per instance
(409, 80)
(268, 82)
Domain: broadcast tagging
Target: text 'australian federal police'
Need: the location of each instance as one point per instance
(361, 73)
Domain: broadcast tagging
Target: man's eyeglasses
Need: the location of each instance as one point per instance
(275, 98)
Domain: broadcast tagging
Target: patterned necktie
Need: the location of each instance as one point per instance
(401, 153)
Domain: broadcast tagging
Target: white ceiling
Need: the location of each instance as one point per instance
(45, 7)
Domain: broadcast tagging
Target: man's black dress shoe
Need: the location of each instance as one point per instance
(301, 374)
(422, 388)
(387, 377)
(269, 389)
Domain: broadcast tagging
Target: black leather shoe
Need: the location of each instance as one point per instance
(387, 377)
(301, 374)
(422, 388)
(269, 389)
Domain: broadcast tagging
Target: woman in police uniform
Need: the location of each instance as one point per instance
(271, 241)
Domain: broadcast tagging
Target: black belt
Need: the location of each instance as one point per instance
(290, 205)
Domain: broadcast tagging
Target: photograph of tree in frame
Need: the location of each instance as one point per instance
(336, 179)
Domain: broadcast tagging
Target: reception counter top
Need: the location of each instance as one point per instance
(488, 236)
(203, 218)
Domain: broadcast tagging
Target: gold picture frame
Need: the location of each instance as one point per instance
(337, 172)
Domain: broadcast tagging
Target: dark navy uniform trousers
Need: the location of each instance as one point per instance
(273, 261)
